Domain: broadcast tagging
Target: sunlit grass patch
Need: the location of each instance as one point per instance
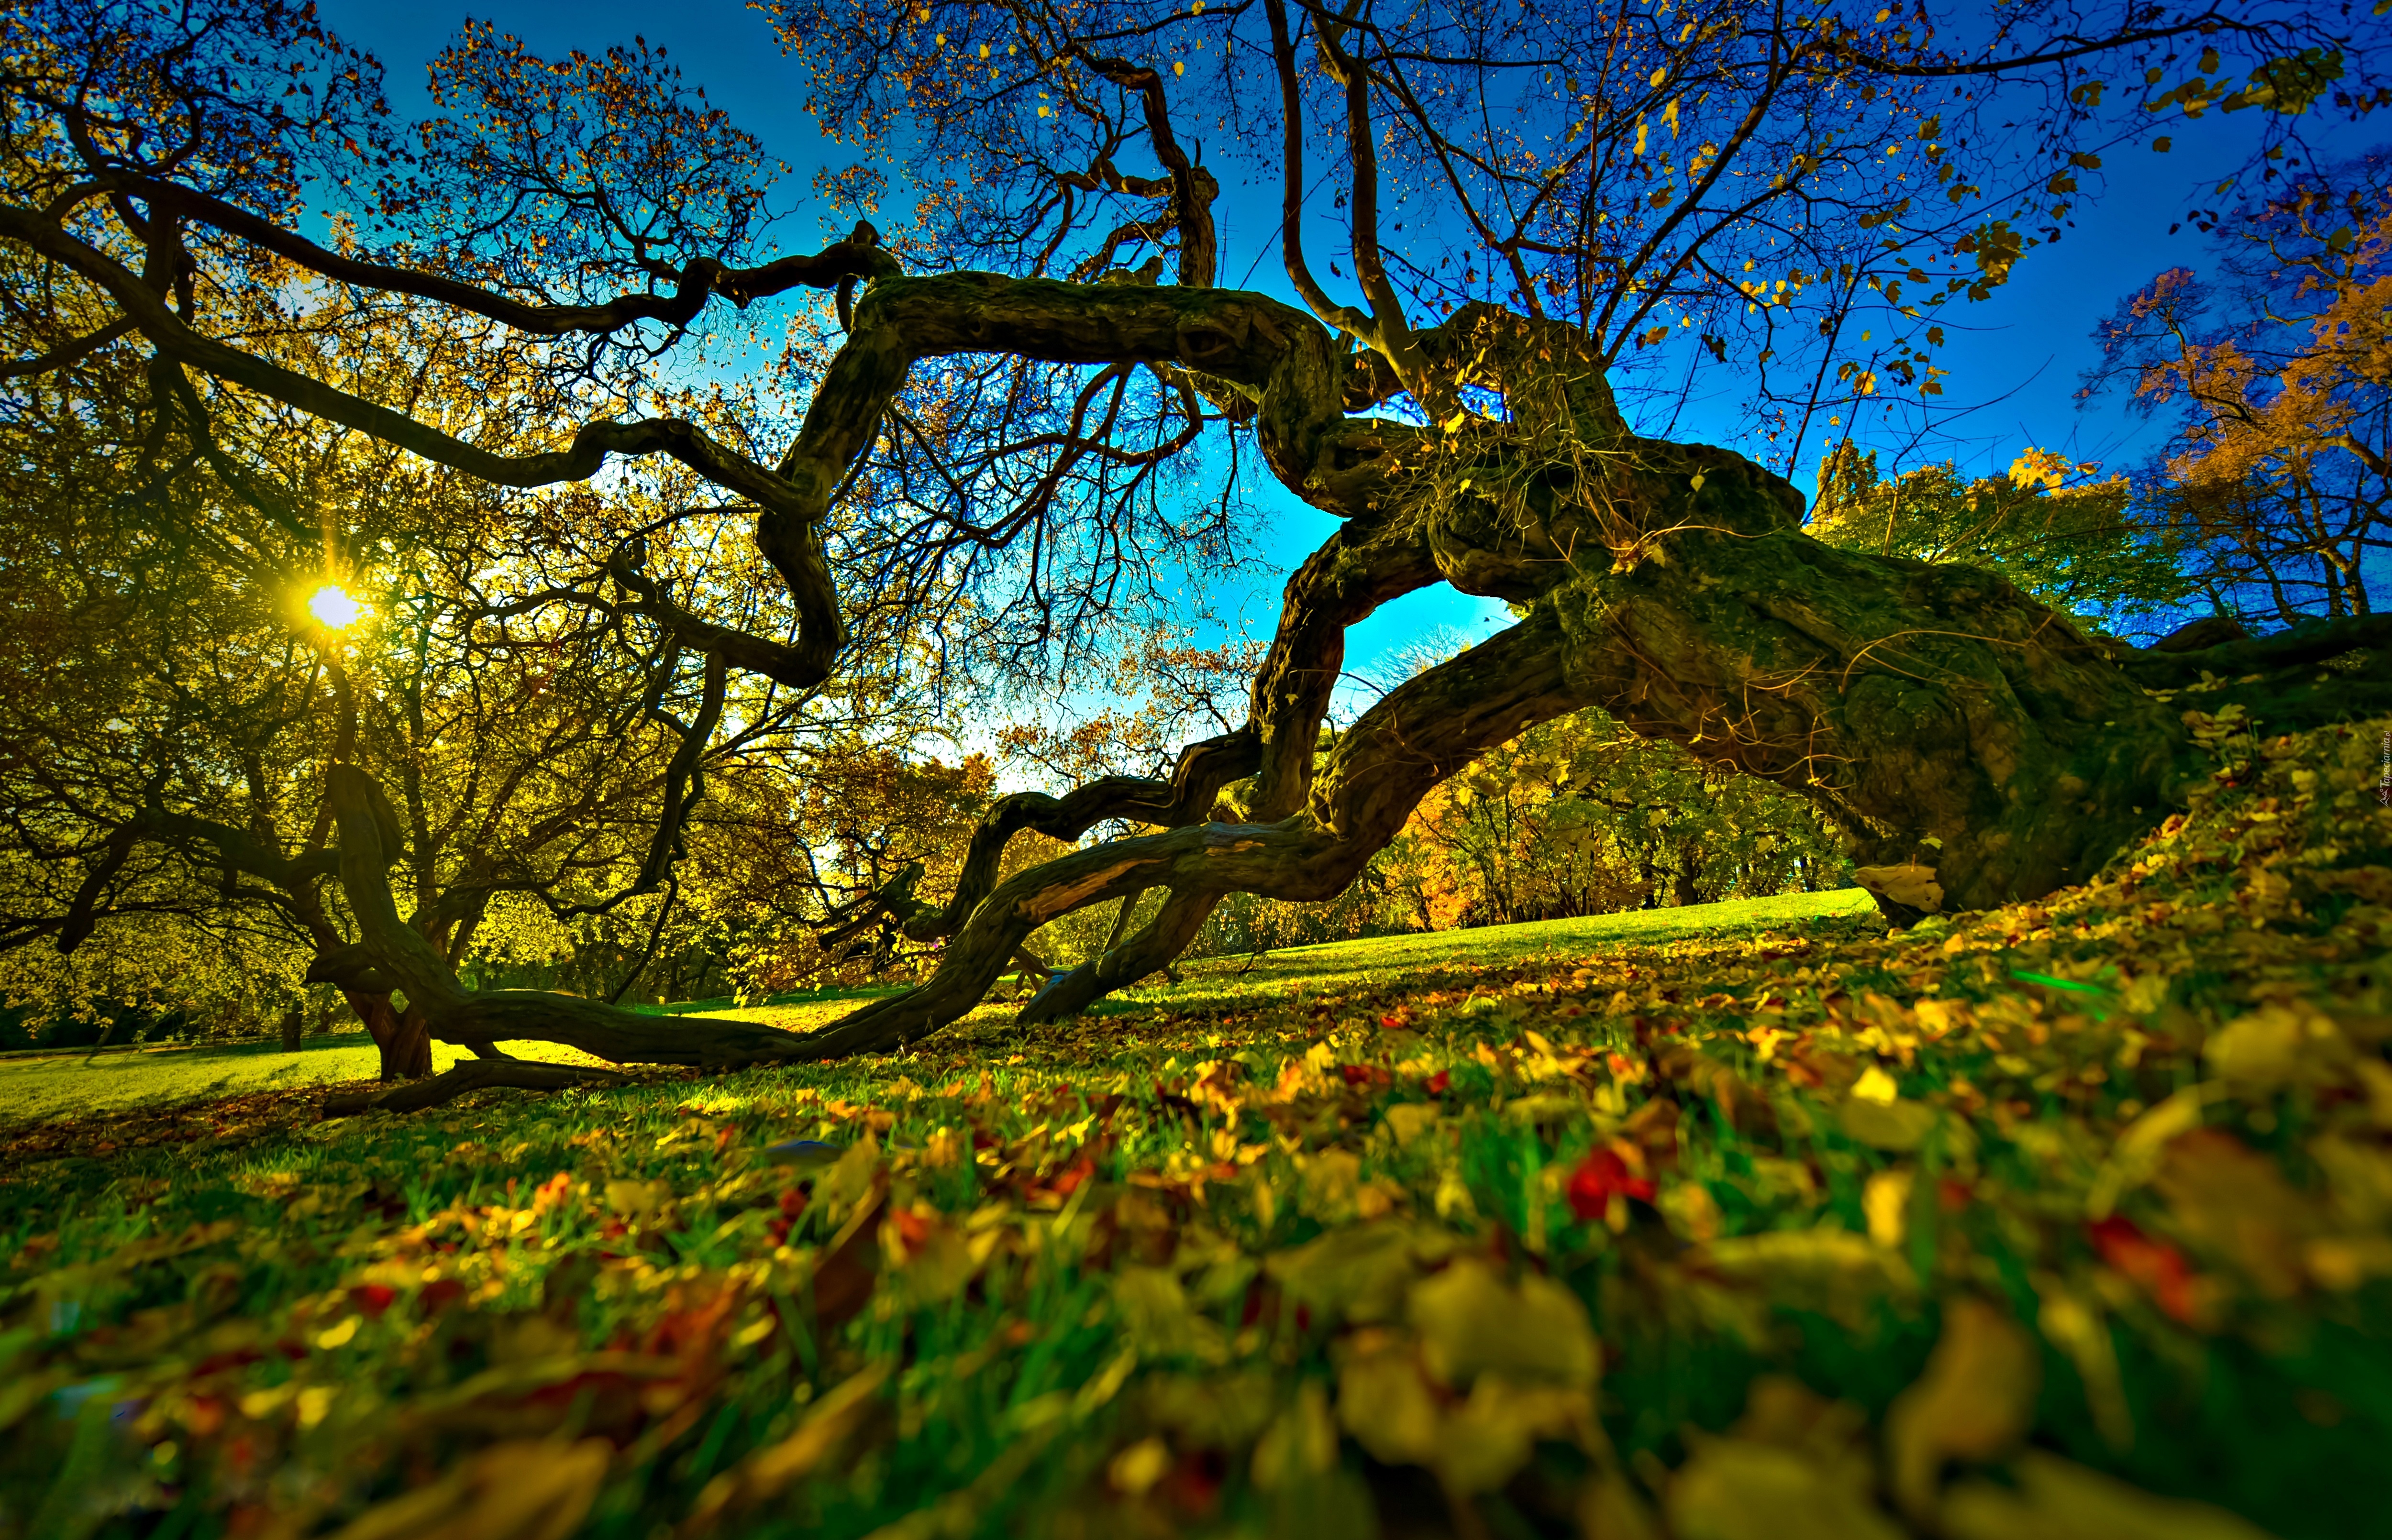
(35, 1087)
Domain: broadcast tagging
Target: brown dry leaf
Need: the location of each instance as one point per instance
(521, 1490)
(2234, 1202)
(1975, 1400)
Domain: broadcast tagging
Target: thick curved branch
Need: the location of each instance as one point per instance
(2310, 644)
(1269, 354)
(1360, 568)
(786, 532)
(1203, 769)
(83, 911)
(1369, 266)
(1353, 322)
(67, 352)
(858, 258)
(1150, 951)
(474, 1075)
(1192, 188)
(1425, 729)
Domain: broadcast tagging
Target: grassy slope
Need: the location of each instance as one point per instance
(35, 1088)
(1803, 1231)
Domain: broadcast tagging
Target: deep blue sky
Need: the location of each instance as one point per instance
(2015, 359)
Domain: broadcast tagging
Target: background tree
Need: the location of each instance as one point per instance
(2276, 371)
(2081, 548)
(173, 715)
(1532, 200)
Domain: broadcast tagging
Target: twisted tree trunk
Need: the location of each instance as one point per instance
(478, 1020)
(1968, 739)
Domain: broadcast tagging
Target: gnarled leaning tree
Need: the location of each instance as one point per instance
(1542, 207)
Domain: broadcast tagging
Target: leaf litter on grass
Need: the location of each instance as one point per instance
(2066, 1219)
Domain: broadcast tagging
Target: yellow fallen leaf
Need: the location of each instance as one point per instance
(1875, 1085)
(1974, 1402)
(1885, 1201)
(1383, 1401)
(2057, 1500)
(774, 1468)
(1893, 1126)
(1471, 1323)
(1737, 1489)
(521, 1490)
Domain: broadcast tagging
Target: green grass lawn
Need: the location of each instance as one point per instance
(1429, 958)
(36, 1087)
(1226, 982)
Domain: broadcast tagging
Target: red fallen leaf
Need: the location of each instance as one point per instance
(1439, 1084)
(1391, 1022)
(2158, 1267)
(1064, 1183)
(438, 1295)
(913, 1228)
(373, 1298)
(238, 1358)
(1194, 1485)
(202, 1414)
(1598, 1178)
(691, 1331)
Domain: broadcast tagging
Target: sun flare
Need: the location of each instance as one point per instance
(333, 607)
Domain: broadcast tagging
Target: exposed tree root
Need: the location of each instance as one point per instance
(473, 1075)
